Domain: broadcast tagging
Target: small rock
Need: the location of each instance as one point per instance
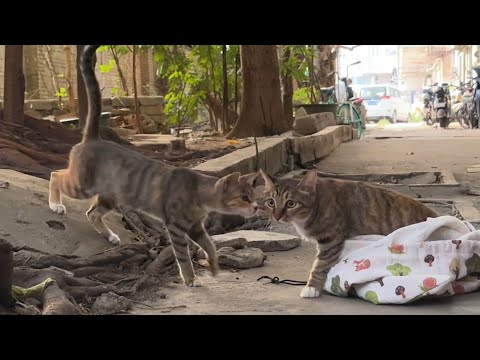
(242, 259)
(225, 240)
(264, 240)
(110, 303)
(4, 184)
(410, 153)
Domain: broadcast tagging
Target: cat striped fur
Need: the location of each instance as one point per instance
(116, 176)
(329, 211)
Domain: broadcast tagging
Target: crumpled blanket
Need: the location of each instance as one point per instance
(437, 257)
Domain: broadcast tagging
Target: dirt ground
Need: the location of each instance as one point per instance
(25, 214)
(240, 294)
(41, 146)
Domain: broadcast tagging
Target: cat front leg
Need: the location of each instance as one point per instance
(198, 234)
(327, 256)
(179, 242)
(316, 281)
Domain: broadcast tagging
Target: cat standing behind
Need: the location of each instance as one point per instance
(115, 176)
(329, 211)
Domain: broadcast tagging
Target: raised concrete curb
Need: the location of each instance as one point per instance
(272, 157)
(310, 124)
(316, 146)
(273, 152)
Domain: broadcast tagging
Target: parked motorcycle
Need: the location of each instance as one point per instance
(461, 106)
(427, 105)
(476, 95)
(441, 105)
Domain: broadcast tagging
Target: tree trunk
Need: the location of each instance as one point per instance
(261, 111)
(68, 77)
(119, 69)
(237, 62)
(325, 66)
(14, 84)
(135, 93)
(226, 125)
(216, 107)
(81, 91)
(287, 88)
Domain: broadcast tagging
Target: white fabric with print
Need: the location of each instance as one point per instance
(437, 257)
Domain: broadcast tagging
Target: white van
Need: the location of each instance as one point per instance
(385, 101)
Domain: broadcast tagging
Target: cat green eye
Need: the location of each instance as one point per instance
(291, 204)
(270, 203)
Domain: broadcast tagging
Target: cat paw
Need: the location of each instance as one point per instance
(194, 283)
(58, 208)
(309, 292)
(113, 238)
(214, 269)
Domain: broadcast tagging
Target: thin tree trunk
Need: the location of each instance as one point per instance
(237, 61)
(216, 106)
(135, 95)
(212, 69)
(226, 125)
(119, 69)
(81, 90)
(261, 112)
(68, 77)
(287, 87)
(14, 85)
(51, 67)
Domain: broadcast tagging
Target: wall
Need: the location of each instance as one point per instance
(148, 105)
(41, 62)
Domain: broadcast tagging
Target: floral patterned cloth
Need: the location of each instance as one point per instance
(438, 257)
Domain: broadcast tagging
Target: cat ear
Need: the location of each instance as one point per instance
(309, 180)
(269, 186)
(225, 182)
(249, 178)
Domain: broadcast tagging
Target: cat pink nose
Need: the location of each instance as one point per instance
(277, 215)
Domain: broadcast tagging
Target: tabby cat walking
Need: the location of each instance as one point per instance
(115, 176)
(329, 211)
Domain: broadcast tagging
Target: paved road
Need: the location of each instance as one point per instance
(388, 150)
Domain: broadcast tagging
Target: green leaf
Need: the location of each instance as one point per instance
(62, 92)
(102, 48)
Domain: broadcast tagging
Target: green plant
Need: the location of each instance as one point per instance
(301, 96)
(106, 68)
(299, 64)
(61, 93)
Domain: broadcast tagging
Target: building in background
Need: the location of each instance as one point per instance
(465, 58)
(378, 63)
